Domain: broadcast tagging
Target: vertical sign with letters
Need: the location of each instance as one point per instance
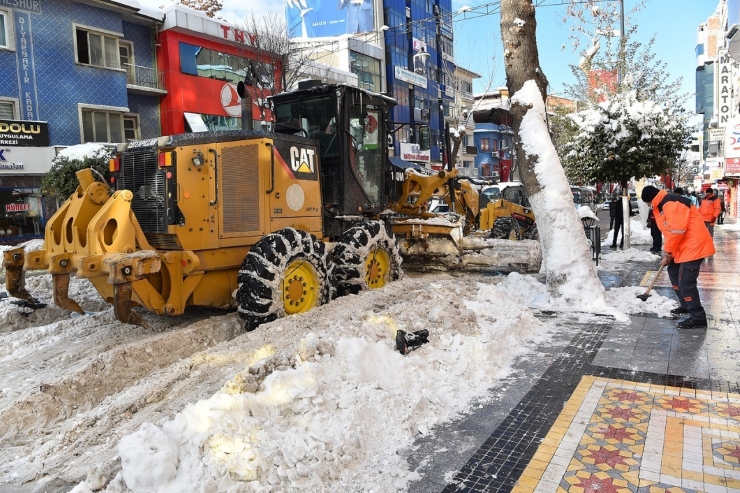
(26, 68)
(724, 88)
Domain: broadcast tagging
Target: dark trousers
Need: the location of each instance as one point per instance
(611, 222)
(683, 278)
(618, 225)
(657, 236)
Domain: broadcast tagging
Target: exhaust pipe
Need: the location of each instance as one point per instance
(241, 90)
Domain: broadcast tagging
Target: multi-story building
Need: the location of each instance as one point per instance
(717, 57)
(420, 71)
(73, 72)
(463, 109)
(493, 135)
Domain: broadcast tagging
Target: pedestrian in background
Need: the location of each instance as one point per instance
(678, 191)
(687, 243)
(710, 210)
(619, 221)
(694, 199)
(722, 211)
(612, 212)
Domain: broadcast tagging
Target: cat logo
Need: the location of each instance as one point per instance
(301, 160)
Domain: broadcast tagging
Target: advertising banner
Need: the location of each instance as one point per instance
(26, 160)
(321, 18)
(732, 165)
(732, 138)
(413, 152)
(410, 77)
(26, 66)
(24, 133)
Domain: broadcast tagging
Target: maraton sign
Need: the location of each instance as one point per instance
(724, 88)
(24, 133)
(413, 152)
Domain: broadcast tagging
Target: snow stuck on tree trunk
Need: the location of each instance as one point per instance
(566, 257)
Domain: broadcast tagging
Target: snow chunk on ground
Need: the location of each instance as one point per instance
(631, 255)
(82, 151)
(625, 300)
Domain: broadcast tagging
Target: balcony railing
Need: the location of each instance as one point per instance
(466, 95)
(145, 79)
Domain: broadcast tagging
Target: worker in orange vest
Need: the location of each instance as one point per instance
(687, 244)
(710, 210)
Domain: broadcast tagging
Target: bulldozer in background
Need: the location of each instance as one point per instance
(272, 222)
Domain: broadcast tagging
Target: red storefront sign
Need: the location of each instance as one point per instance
(17, 207)
(732, 165)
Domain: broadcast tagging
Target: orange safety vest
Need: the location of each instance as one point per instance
(686, 236)
(710, 209)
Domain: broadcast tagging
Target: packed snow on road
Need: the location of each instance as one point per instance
(320, 401)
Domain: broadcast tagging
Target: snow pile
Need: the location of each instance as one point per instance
(83, 151)
(639, 234)
(586, 212)
(332, 412)
(627, 302)
(620, 257)
(572, 277)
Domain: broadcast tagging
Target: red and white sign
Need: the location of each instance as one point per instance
(732, 138)
(17, 207)
(230, 100)
(732, 165)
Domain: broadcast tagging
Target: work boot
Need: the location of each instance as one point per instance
(679, 311)
(692, 323)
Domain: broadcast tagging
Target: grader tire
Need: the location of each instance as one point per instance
(502, 228)
(365, 257)
(284, 273)
(531, 233)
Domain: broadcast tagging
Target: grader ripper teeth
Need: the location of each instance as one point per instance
(85, 237)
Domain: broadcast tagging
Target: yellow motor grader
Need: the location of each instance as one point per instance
(275, 223)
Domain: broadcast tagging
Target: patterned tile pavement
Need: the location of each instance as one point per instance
(641, 407)
(620, 436)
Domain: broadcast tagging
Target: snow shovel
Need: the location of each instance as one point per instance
(646, 295)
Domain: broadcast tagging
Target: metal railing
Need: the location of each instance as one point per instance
(466, 95)
(136, 75)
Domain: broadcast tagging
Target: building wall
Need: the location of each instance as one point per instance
(399, 44)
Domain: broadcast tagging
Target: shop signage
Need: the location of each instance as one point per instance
(26, 67)
(732, 138)
(413, 152)
(26, 160)
(16, 207)
(732, 165)
(237, 35)
(724, 88)
(716, 134)
(230, 100)
(420, 45)
(410, 77)
(28, 5)
(24, 134)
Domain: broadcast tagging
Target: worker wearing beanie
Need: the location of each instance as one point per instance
(710, 210)
(687, 243)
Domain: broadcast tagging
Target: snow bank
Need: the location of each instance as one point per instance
(639, 234)
(82, 151)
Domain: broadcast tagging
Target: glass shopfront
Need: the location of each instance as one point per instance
(21, 215)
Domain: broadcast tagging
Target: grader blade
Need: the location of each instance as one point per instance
(60, 286)
(15, 279)
(122, 306)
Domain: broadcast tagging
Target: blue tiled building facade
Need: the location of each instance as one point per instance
(493, 142)
(422, 84)
(88, 70)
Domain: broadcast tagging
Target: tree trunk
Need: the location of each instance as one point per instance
(571, 275)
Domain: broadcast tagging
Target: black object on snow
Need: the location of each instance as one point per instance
(407, 342)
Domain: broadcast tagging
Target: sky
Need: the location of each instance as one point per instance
(478, 40)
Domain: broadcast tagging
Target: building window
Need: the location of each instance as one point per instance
(485, 145)
(367, 69)
(4, 31)
(203, 62)
(98, 50)
(24, 213)
(494, 145)
(7, 110)
(102, 126)
(131, 127)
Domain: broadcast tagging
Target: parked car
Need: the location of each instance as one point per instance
(604, 206)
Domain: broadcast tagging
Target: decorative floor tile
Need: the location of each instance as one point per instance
(640, 439)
